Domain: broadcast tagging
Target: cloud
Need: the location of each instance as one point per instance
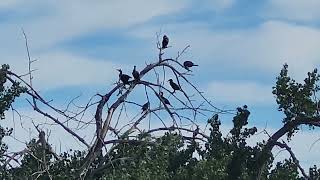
(296, 10)
(56, 22)
(61, 69)
(263, 48)
(240, 92)
(50, 23)
(266, 47)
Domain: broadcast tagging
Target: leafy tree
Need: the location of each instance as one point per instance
(8, 93)
(285, 170)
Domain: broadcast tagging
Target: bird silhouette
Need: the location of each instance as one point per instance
(145, 107)
(165, 100)
(135, 73)
(165, 42)
(123, 77)
(174, 86)
(216, 117)
(188, 64)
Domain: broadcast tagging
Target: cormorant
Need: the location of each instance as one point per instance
(165, 100)
(123, 77)
(165, 42)
(174, 86)
(216, 117)
(145, 107)
(195, 132)
(188, 64)
(135, 73)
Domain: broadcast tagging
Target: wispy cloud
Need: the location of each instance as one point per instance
(67, 20)
(240, 92)
(50, 23)
(264, 48)
(58, 69)
(305, 11)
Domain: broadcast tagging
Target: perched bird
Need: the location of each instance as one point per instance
(195, 132)
(145, 107)
(42, 138)
(123, 77)
(165, 100)
(216, 117)
(135, 73)
(188, 64)
(174, 86)
(165, 42)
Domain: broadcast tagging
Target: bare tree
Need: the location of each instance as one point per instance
(114, 102)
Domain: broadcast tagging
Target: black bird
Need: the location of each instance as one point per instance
(174, 86)
(195, 132)
(165, 42)
(145, 107)
(188, 64)
(135, 73)
(165, 100)
(123, 77)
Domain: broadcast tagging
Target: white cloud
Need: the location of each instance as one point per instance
(52, 22)
(69, 19)
(267, 47)
(300, 10)
(62, 69)
(240, 92)
(264, 48)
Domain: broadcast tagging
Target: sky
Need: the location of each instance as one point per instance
(240, 47)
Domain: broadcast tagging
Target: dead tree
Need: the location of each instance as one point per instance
(117, 97)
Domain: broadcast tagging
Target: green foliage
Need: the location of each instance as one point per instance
(285, 170)
(7, 94)
(296, 99)
(7, 97)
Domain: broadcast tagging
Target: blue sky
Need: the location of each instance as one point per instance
(240, 46)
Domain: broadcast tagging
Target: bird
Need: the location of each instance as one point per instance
(123, 77)
(165, 42)
(135, 73)
(145, 107)
(174, 86)
(188, 64)
(164, 100)
(195, 132)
